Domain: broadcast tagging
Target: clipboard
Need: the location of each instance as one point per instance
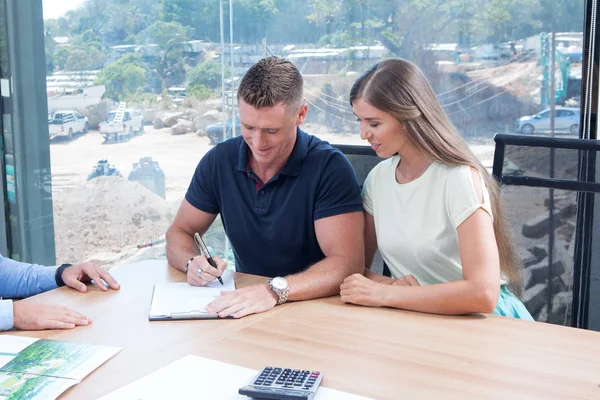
(177, 301)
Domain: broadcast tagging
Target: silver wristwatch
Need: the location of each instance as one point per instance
(280, 286)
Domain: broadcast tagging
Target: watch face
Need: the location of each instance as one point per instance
(279, 283)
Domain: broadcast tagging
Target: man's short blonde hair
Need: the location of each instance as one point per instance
(272, 81)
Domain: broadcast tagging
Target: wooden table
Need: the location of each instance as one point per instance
(380, 353)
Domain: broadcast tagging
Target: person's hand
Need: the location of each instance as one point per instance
(76, 276)
(201, 273)
(239, 303)
(357, 289)
(407, 280)
(35, 317)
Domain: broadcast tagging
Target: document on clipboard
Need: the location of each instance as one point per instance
(177, 301)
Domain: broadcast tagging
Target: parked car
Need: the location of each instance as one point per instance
(566, 120)
(214, 132)
(131, 125)
(66, 123)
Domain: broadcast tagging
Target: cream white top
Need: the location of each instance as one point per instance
(416, 222)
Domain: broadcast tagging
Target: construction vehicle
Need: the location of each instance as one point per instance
(103, 168)
(148, 173)
(568, 86)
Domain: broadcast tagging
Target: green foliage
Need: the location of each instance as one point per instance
(199, 92)
(206, 74)
(83, 59)
(122, 78)
(60, 57)
(169, 60)
(405, 27)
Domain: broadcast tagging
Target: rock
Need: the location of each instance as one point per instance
(535, 297)
(558, 286)
(542, 314)
(539, 272)
(208, 118)
(158, 123)
(171, 120)
(190, 114)
(561, 308)
(200, 133)
(539, 226)
(197, 123)
(148, 115)
(97, 113)
(182, 127)
(539, 251)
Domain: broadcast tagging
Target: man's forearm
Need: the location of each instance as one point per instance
(18, 279)
(323, 279)
(180, 248)
(6, 315)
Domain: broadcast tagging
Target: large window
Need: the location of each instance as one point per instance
(138, 91)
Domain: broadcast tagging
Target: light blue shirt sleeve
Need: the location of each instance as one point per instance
(19, 279)
(6, 315)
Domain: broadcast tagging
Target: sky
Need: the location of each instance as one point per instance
(56, 8)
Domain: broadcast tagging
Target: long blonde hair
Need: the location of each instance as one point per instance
(399, 88)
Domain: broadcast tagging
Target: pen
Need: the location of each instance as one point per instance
(204, 250)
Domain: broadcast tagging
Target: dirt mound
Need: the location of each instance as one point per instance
(107, 216)
(537, 160)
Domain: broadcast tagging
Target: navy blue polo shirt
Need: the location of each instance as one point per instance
(271, 227)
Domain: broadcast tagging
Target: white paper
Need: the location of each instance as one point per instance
(193, 377)
(170, 299)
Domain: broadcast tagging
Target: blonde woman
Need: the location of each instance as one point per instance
(431, 208)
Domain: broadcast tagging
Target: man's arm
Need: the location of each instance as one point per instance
(18, 279)
(341, 240)
(181, 246)
(6, 315)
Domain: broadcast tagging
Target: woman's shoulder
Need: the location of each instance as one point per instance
(453, 173)
(384, 168)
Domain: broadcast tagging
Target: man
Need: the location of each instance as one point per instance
(19, 279)
(289, 202)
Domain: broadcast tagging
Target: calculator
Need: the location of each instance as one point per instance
(283, 384)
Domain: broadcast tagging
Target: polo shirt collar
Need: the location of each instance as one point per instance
(292, 167)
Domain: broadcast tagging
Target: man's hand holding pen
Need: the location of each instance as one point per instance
(201, 273)
(202, 270)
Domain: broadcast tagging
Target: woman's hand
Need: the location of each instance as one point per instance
(357, 289)
(407, 280)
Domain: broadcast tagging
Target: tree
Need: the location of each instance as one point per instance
(61, 54)
(122, 78)
(84, 59)
(50, 48)
(561, 15)
(199, 92)
(168, 60)
(208, 74)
